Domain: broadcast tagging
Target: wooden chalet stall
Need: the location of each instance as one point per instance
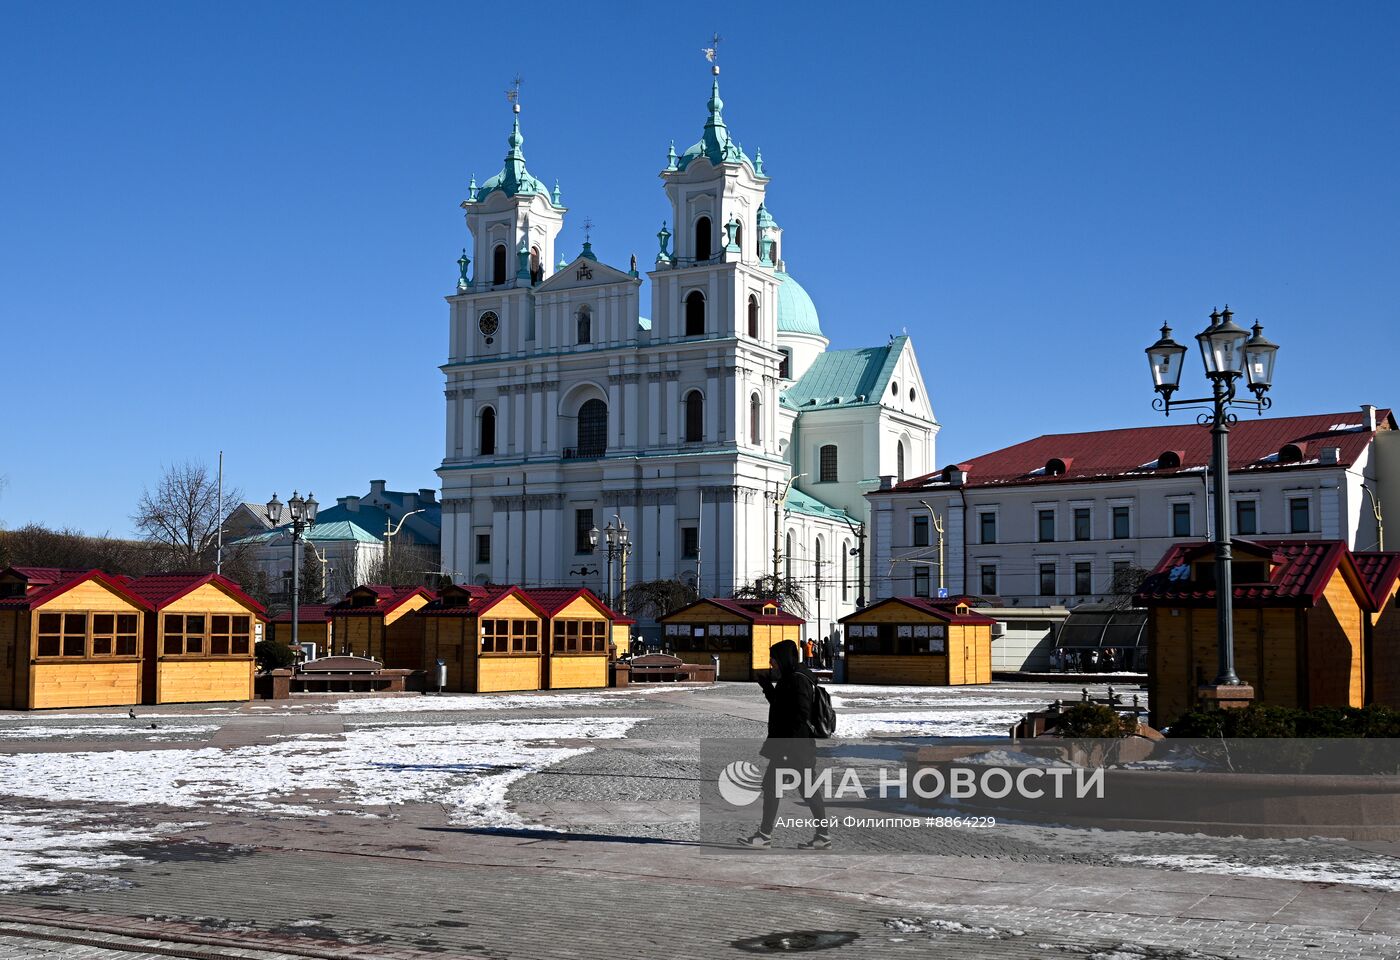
(491, 639)
(578, 630)
(313, 627)
(1381, 571)
(378, 622)
(918, 641)
(739, 632)
(198, 642)
(68, 638)
(1301, 609)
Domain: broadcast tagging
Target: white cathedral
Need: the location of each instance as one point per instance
(567, 410)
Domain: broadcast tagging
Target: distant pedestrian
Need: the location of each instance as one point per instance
(791, 689)
(1093, 661)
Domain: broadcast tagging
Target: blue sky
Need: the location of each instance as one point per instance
(231, 226)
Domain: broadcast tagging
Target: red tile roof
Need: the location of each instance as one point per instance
(941, 609)
(750, 610)
(162, 589)
(45, 592)
(44, 576)
(1380, 571)
(553, 599)
(1299, 571)
(482, 600)
(1134, 452)
(386, 600)
(306, 613)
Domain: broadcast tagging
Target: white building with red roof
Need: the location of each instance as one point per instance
(1055, 519)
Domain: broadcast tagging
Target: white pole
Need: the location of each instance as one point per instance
(219, 508)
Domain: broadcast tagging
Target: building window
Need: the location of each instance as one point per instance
(987, 524)
(487, 433)
(690, 542)
(1082, 530)
(1246, 517)
(694, 417)
(753, 316)
(899, 461)
(62, 634)
(510, 636)
(921, 581)
(785, 364)
(787, 558)
(593, 429)
(483, 548)
(114, 634)
(1181, 519)
(755, 420)
(989, 580)
(1083, 578)
(585, 325)
(827, 463)
(702, 238)
(536, 270)
(1299, 520)
(580, 636)
(1047, 580)
(845, 570)
(498, 264)
(228, 635)
(1045, 520)
(921, 531)
(185, 634)
(1120, 576)
(583, 526)
(1121, 523)
(694, 314)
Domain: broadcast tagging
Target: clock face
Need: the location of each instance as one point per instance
(489, 323)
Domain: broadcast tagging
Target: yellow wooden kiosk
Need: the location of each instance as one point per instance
(1301, 610)
(578, 629)
(68, 638)
(739, 632)
(198, 642)
(313, 627)
(920, 642)
(490, 639)
(1381, 571)
(378, 622)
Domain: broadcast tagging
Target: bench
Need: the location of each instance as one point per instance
(347, 675)
(663, 668)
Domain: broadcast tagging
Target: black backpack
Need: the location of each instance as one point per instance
(823, 716)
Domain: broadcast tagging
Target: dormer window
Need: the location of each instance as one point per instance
(1169, 460)
(1292, 452)
(1056, 466)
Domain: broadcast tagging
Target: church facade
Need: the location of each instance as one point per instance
(568, 409)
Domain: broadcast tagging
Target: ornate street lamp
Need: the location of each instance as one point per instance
(619, 546)
(1228, 351)
(303, 515)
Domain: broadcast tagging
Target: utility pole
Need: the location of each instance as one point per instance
(778, 499)
(219, 554)
(390, 531)
(938, 529)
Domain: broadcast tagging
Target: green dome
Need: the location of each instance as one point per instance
(796, 311)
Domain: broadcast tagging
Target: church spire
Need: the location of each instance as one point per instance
(514, 179)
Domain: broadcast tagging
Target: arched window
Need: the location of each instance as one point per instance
(817, 569)
(845, 562)
(702, 238)
(755, 420)
(498, 264)
(694, 313)
(753, 316)
(787, 558)
(899, 461)
(694, 417)
(487, 433)
(536, 269)
(827, 463)
(785, 364)
(585, 324)
(775, 250)
(593, 429)
(739, 236)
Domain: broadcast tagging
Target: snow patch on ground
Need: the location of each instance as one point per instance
(52, 848)
(926, 723)
(1380, 873)
(133, 729)
(500, 701)
(840, 701)
(465, 768)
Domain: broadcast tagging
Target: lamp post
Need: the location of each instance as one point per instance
(391, 530)
(619, 546)
(1227, 351)
(303, 515)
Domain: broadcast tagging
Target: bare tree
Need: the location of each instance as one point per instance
(1126, 582)
(34, 545)
(651, 599)
(409, 565)
(183, 513)
(787, 591)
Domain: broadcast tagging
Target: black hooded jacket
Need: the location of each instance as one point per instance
(790, 691)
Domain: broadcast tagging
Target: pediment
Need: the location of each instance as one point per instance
(584, 272)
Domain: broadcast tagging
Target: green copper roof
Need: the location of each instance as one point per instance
(513, 180)
(843, 377)
(796, 311)
(715, 144)
(799, 502)
(337, 530)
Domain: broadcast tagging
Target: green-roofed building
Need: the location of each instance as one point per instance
(569, 410)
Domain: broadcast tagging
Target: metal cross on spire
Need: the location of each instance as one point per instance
(587, 229)
(712, 52)
(513, 94)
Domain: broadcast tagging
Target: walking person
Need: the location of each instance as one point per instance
(791, 689)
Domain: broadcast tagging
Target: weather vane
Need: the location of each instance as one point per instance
(587, 229)
(513, 94)
(712, 52)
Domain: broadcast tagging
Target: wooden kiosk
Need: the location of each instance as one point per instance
(68, 638)
(1381, 571)
(313, 626)
(1301, 612)
(739, 632)
(490, 639)
(578, 630)
(377, 622)
(199, 638)
(918, 641)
